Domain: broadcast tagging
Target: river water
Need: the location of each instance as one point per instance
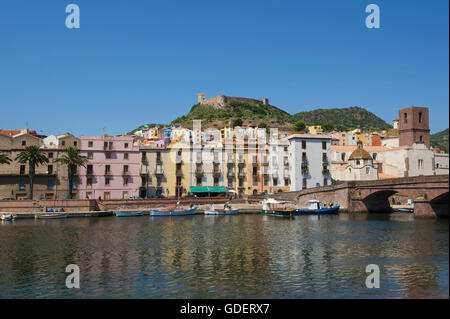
(241, 256)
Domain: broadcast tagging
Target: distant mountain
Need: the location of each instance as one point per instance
(253, 114)
(440, 140)
(344, 118)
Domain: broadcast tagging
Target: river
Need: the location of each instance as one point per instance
(241, 256)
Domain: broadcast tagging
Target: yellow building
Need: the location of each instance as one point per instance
(315, 129)
(178, 169)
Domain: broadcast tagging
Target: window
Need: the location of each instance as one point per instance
(106, 196)
(108, 155)
(255, 180)
(90, 169)
(75, 143)
(89, 195)
(324, 157)
(50, 183)
(304, 183)
(126, 145)
(367, 170)
(125, 195)
(21, 184)
(324, 145)
(24, 143)
(199, 181)
(90, 144)
(125, 181)
(241, 182)
(125, 156)
(89, 181)
(22, 169)
(63, 143)
(216, 181)
(90, 155)
(421, 138)
(286, 182)
(405, 117)
(266, 180)
(50, 155)
(420, 117)
(343, 156)
(374, 156)
(303, 144)
(285, 149)
(420, 163)
(230, 182)
(325, 182)
(158, 181)
(275, 181)
(158, 156)
(107, 169)
(107, 181)
(50, 169)
(125, 168)
(357, 162)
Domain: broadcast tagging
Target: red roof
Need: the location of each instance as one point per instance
(15, 132)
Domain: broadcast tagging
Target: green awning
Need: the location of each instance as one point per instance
(208, 189)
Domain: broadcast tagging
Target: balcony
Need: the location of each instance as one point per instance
(199, 171)
(241, 173)
(230, 172)
(325, 159)
(326, 171)
(305, 170)
(217, 171)
(144, 170)
(179, 172)
(108, 147)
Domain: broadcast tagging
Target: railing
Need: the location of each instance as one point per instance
(159, 170)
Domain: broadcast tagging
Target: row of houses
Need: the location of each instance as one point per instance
(239, 161)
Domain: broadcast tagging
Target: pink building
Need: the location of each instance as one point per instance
(113, 168)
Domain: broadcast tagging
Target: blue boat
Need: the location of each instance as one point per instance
(315, 208)
(128, 214)
(174, 212)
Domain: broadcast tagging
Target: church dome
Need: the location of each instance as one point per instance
(360, 153)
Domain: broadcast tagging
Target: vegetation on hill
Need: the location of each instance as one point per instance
(440, 140)
(343, 119)
(253, 114)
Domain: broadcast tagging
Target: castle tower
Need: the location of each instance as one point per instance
(414, 126)
(201, 97)
(395, 123)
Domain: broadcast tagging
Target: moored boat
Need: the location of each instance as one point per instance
(317, 208)
(52, 215)
(228, 210)
(277, 208)
(128, 214)
(178, 211)
(7, 217)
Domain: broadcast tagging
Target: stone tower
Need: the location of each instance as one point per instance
(201, 97)
(414, 126)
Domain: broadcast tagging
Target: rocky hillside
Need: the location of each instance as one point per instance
(344, 118)
(440, 140)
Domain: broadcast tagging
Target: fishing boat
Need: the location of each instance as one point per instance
(55, 215)
(317, 208)
(277, 208)
(228, 210)
(7, 217)
(128, 214)
(177, 211)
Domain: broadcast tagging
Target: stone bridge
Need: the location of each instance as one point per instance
(429, 194)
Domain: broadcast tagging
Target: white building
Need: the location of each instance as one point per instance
(279, 166)
(360, 167)
(309, 160)
(441, 163)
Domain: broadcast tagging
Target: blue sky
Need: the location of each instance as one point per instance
(135, 62)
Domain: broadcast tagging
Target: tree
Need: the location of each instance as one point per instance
(329, 126)
(262, 125)
(4, 159)
(300, 125)
(34, 157)
(237, 122)
(73, 160)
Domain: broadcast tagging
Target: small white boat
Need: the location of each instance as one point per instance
(7, 217)
(227, 211)
(128, 214)
(177, 211)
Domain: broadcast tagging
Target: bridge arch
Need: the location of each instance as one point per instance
(440, 205)
(378, 202)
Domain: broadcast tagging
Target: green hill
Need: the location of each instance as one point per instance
(440, 140)
(344, 118)
(237, 112)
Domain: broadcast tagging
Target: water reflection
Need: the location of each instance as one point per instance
(248, 256)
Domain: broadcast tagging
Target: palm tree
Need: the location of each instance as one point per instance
(34, 157)
(4, 159)
(72, 159)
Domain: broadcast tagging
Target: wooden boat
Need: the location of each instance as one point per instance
(228, 210)
(406, 210)
(277, 208)
(316, 208)
(52, 215)
(174, 212)
(128, 214)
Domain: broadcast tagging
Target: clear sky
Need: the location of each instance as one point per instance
(136, 62)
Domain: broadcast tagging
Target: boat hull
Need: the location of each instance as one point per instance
(174, 212)
(224, 212)
(320, 211)
(7, 218)
(52, 216)
(128, 214)
(280, 213)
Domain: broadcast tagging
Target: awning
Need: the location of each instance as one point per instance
(208, 189)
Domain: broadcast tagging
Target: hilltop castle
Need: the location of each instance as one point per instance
(220, 101)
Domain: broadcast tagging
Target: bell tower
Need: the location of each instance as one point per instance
(414, 126)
